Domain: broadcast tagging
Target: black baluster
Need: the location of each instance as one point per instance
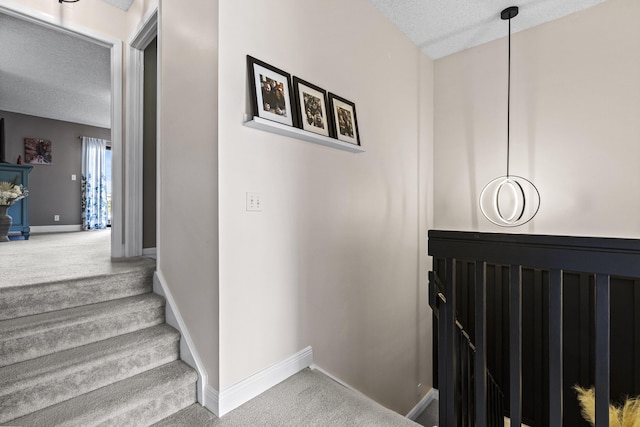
(555, 348)
(515, 344)
(481, 344)
(602, 349)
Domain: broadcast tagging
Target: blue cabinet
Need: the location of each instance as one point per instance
(19, 211)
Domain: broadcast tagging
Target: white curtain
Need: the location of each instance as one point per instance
(94, 183)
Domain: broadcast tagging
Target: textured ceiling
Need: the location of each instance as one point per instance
(51, 74)
(443, 27)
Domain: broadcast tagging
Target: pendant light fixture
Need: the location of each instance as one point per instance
(510, 200)
(68, 1)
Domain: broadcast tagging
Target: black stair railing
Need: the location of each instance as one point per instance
(471, 399)
(465, 411)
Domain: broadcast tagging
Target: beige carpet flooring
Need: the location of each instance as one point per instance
(309, 398)
(59, 256)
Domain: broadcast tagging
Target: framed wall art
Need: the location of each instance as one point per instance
(271, 92)
(37, 151)
(344, 122)
(311, 106)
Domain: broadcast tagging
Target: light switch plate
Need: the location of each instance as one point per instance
(254, 202)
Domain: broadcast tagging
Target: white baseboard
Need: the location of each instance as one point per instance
(432, 395)
(251, 387)
(412, 415)
(188, 352)
(149, 252)
(227, 400)
(55, 228)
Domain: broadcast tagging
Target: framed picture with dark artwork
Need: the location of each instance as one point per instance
(344, 122)
(37, 151)
(311, 106)
(271, 92)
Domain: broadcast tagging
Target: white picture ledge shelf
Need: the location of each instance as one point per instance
(280, 129)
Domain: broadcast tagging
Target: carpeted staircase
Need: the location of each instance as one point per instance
(90, 351)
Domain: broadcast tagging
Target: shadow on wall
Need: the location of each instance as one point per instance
(471, 163)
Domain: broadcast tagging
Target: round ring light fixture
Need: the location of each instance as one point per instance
(510, 200)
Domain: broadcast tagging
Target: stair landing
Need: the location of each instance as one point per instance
(61, 256)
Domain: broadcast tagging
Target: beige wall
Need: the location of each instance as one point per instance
(333, 260)
(187, 239)
(574, 118)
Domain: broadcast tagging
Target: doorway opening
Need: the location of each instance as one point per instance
(70, 30)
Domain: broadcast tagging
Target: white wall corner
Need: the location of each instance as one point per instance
(212, 399)
(188, 352)
(431, 395)
(262, 381)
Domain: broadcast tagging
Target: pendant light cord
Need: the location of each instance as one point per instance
(509, 100)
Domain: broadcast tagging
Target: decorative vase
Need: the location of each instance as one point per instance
(5, 223)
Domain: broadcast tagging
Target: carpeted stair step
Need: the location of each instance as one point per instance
(193, 415)
(29, 337)
(137, 401)
(38, 383)
(28, 300)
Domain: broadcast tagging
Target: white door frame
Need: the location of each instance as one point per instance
(147, 31)
(115, 46)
